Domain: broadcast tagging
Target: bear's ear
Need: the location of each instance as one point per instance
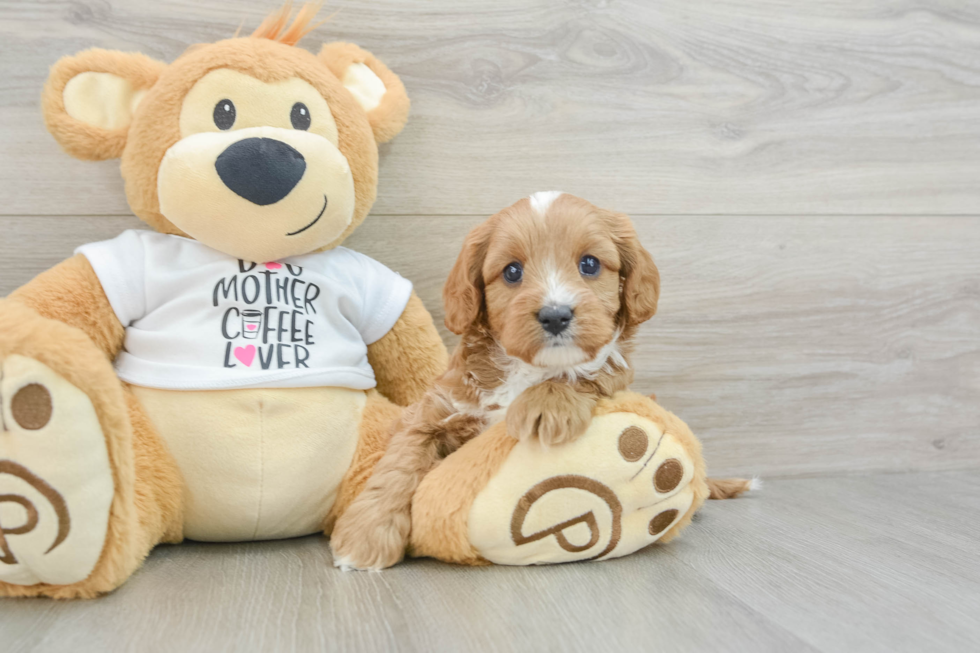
(89, 100)
(376, 89)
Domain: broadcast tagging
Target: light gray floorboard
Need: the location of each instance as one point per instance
(805, 175)
(790, 346)
(776, 107)
(856, 563)
(879, 563)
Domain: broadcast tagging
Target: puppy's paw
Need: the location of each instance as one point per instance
(366, 538)
(553, 413)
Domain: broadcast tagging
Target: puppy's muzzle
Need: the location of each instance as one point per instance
(555, 319)
(261, 170)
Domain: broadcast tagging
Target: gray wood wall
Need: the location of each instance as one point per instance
(807, 176)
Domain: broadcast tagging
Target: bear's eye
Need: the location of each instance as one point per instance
(224, 114)
(513, 272)
(589, 266)
(300, 116)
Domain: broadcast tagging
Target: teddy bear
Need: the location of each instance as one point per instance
(231, 373)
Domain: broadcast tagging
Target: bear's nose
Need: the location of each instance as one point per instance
(262, 170)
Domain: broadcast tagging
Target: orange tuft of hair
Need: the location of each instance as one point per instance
(274, 27)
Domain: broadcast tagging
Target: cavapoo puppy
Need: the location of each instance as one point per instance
(546, 295)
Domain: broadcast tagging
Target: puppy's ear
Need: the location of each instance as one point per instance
(641, 279)
(89, 100)
(378, 90)
(462, 296)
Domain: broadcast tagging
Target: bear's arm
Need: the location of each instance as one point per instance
(70, 292)
(410, 356)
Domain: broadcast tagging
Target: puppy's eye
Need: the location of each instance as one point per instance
(589, 266)
(224, 114)
(300, 116)
(513, 272)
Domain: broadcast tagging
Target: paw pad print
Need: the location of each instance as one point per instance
(56, 485)
(31, 406)
(618, 488)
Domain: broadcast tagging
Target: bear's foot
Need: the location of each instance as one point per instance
(618, 488)
(635, 477)
(56, 484)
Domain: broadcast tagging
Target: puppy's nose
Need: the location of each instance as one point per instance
(262, 170)
(555, 319)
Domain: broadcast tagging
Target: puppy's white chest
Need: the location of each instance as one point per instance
(496, 402)
(519, 376)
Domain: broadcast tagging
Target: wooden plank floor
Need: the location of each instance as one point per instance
(885, 562)
(806, 176)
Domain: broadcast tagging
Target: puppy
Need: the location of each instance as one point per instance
(546, 295)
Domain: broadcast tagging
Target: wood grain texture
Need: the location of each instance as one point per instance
(842, 340)
(716, 107)
(877, 563)
(790, 346)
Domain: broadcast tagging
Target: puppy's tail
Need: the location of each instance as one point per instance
(729, 488)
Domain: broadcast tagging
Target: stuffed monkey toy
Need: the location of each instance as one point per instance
(231, 373)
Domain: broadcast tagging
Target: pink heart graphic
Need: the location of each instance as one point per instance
(273, 266)
(251, 327)
(245, 354)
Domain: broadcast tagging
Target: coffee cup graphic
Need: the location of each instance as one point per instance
(251, 321)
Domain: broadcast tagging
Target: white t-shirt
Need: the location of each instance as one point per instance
(197, 319)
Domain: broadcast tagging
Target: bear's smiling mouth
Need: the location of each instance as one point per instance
(315, 220)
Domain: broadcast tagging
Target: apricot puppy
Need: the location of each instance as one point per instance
(546, 295)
